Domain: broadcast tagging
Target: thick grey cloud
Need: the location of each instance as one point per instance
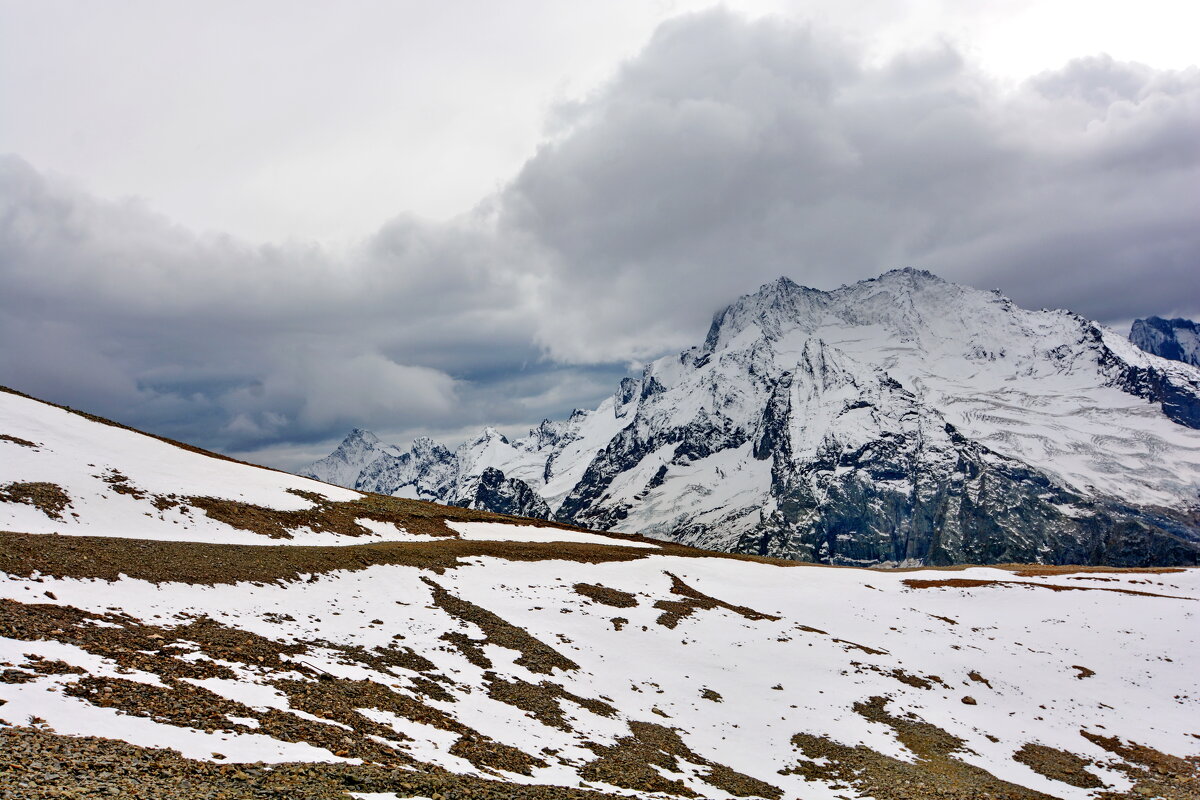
(730, 152)
(726, 153)
(109, 307)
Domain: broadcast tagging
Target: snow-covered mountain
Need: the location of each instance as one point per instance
(358, 451)
(1174, 339)
(178, 625)
(902, 419)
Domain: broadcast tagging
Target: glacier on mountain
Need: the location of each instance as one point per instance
(899, 420)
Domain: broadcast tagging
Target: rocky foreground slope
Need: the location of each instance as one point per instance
(177, 625)
(900, 420)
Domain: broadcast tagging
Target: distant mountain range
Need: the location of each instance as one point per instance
(899, 420)
(1176, 339)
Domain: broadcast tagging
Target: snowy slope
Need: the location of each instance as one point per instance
(902, 419)
(493, 658)
(737, 690)
(66, 473)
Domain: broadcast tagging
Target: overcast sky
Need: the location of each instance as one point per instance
(254, 225)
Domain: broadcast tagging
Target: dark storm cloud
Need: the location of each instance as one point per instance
(730, 152)
(111, 308)
(725, 154)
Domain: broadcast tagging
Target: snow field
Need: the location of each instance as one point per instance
(1025, 641)
(82, 457)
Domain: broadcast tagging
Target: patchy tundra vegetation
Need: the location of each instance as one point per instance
(204, 628)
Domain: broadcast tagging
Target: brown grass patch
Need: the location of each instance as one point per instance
(935, 773)
(1154, 773)
(1032, 570)
(49, 666)
(1038, 570)
(917, 681)
(871, 651)
(107, 558)
(134, 645)
(339, 699)
(630, 762)
(124, 640)
(16, 676)
(535, 655)
(676, 610)
(542, 701)
(49, 498)
(1058, 765)
(975, 676)
(120, 483)
(40, 765)
(898, 674)
(605, 595)
(186, 705)
(195, 562)
(949, 583)
(968, 583)
(17, 440)
(339, 517)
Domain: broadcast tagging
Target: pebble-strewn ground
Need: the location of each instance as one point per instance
(614, 668)
(36, 764)
(181, 626)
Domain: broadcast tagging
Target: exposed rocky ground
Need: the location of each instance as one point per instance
(505, 675)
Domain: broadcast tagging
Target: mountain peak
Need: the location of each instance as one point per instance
(776, 307)
(784, 305)
(361, 435)
(423, 446)
(490, 434)
(911, 274)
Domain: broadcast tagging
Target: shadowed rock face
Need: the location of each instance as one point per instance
(898, 420)
(494, 492)
(1174, 339)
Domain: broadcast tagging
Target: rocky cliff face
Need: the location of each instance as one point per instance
(902, 419)
(1174, 339)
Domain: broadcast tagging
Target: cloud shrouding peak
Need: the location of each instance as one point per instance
(726, 153)
(730, 152)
